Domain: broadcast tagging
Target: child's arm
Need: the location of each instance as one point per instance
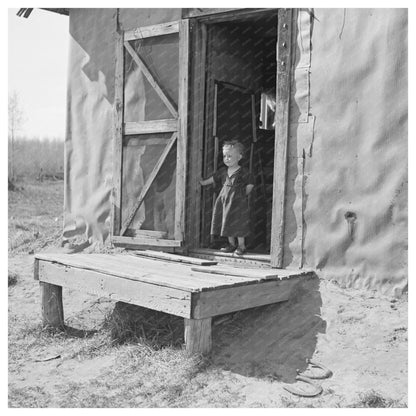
(209, 181)
(249, 188)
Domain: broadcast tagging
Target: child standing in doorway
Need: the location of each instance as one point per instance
(230, 217)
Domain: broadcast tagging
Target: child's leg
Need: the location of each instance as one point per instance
(231, 241)
(241, 242)
(231, 245)
(241, 249)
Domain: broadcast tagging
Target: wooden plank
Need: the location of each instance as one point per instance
(150, 31)
(234, 260)
(231, 260)
(145, 141)
(284, 48)
(182, 142)
(218, 253)
(36, 269)
(196, 144)
(253, 117)
(296, 248)
(140, 63)
(158, 272)
(174, 257)
(160, 298)
(209, 108)
(148, 183)
(253, 273)
(152, 126)
(222, 14)
(198, 337)
(208, 156)
(118, 110)
(197, 12)
(235, 87)
(261, 274)
(218, 302)
(52, 306)
(151, 234)
(131, 245)
(214, 123)
(159, 242)
(180, 275)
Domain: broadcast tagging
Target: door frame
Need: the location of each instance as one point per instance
(197, 125)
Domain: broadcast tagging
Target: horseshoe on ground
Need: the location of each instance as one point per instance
(316, 388)
(326, 371)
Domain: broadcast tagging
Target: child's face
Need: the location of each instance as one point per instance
(231, 156)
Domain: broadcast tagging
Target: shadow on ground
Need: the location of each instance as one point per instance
(265, 342)
(72, 332)
(272, 341)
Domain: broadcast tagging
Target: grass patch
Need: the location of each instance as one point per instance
(143, 377)
(35, 216)
(30, 340)
(376, 400)
(130, 324)
(13, 277)
(32, 397)
(144, 371)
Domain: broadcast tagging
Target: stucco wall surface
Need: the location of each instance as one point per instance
(353, 149)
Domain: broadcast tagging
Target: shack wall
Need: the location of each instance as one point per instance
(347, 150)
(90, 100)
(88, 142)
(346, 208)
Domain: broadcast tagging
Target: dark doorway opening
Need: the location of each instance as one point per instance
(239, 104)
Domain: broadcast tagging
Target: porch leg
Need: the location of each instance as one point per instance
(198, 335)
(52, 306)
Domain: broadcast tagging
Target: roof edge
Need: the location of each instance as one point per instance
(26, 12)
(59, 11)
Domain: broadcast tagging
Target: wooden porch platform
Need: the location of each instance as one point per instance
(196, 290)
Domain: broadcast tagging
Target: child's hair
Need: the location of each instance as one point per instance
(234, 144)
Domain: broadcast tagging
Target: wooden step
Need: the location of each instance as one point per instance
(171, 285)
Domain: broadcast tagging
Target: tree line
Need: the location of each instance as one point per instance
(36, 158)
(31, 157)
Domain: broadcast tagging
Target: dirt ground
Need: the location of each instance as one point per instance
(361, 336)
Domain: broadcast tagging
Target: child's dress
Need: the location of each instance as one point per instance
(230, 217)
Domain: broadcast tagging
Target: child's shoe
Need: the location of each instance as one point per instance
(228, 249)
(239, 251)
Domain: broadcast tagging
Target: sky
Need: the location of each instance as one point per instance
(37, 70)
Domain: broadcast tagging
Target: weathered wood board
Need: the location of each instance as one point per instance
(161, 298)
(173, 257)
(260, 274)
(219, 302)
(156, 272)
(198, 335)
(169, 286)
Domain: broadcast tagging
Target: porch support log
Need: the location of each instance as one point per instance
(198, 335)
(52, 306)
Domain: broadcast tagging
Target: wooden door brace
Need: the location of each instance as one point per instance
(169, 104)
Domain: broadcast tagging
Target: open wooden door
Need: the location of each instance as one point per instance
(150, 136)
